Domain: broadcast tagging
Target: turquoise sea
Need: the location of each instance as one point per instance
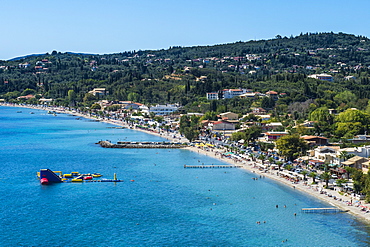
(165, 205)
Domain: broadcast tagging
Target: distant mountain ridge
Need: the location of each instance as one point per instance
(302, 43)
(43, 54)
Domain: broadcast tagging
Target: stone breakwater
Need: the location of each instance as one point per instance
(108, 144)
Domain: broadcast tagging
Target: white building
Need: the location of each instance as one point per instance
(231, 93)
(227, 94)
(161, 110)
(322, 77)
(99, 91)
(212, 96)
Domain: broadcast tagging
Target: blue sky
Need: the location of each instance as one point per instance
(32, 27)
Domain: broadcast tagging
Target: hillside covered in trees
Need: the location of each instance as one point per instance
(185, 74)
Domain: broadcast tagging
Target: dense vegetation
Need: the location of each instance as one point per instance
(185, 74)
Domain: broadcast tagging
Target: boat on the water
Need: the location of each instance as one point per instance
(48, 176)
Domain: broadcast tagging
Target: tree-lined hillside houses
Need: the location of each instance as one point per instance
(243, 94)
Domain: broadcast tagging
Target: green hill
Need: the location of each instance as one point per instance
(186, 74)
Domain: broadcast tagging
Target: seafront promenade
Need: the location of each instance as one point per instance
(333, 197)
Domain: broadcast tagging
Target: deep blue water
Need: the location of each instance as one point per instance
(165, 205)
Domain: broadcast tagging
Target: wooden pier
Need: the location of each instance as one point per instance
(108, 144)
(323, 210)
(212, 166)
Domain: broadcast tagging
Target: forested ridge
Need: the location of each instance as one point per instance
(185, 74)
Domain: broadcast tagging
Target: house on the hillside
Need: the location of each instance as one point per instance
(272, 94)
(306, 124)
(207, 124)
(222, 125)
(365, 167)
(358, 151)
(322, 77)
(226, 94)
(350, 77)
(360, 139)
(248, 96)
(26, 97)
(212, 96)
(273, 136)
(130, 105)
(231, 93)
(316, 140)
(271, 126)
(258, 110)
(355, 162)
(229, 116)
(99, 92)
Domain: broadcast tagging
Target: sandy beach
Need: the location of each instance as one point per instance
(333, 197)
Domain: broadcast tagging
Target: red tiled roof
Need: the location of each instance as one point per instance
(271, 92)
(313, 137)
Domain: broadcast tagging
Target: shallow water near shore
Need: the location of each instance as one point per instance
(164, 205)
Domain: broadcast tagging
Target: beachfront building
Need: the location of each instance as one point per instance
(160, 110)
(332, 155)
(326, 154)
(45, 101)
(129, 105)
(356, 162)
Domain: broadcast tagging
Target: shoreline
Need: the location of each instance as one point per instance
(340, 201)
